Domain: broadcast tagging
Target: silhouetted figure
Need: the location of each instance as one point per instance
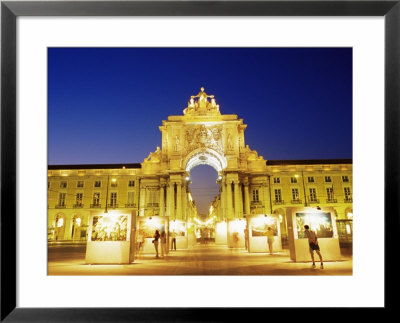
(173, 240)
(155, 241)
(270, 236)
(163, 239)
(313, 243)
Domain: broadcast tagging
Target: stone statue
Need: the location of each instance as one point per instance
(230, 143)
(177, 144)
(202, 105)
(155, 156)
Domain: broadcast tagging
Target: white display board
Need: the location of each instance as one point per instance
(181, 234)
(147, 226)
(221, 231)
(322, 221)
(111, 238)
(236, 236)
(257, 226)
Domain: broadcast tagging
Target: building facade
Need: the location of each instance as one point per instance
(248, 184)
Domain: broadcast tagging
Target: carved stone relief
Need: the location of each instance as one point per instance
(203, 137)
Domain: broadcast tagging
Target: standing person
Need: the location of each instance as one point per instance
(155, 241)
(270, 236)
(246, 238)
(313, 243)
(140, 239)
(173, 240)
(163, 239)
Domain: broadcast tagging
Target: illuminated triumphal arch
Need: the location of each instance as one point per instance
(201, 136)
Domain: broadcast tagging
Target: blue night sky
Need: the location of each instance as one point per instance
(105, 104)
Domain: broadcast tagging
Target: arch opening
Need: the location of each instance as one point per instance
(205, 157)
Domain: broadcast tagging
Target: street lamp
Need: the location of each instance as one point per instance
(304, 187)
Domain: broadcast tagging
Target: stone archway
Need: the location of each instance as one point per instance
(204, 156)
(201, 136)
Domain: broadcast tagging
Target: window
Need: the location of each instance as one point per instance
(347, 194)
(277, 180)
(313, 195)
(97, 183)
(345, 179)
(152, 197)
(96, 198)
(79, 184)
(113, 199)
(61, 199)
(131, 183)
(293, 179)
(255, 196)
(311, 179)
(278, 195)
(329, 193)
(295, 194)
(131, 198)
(114, 183)
(328, 179)
(78, 199)
(63, 185)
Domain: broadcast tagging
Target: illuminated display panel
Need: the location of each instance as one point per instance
(260, 225)
(148, 227)
(320, 223)
(179, 228)
(109, 228)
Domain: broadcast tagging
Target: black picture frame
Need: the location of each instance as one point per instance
(10, 10)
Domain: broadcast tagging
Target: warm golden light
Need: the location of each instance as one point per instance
(78, 222)
(60, 222)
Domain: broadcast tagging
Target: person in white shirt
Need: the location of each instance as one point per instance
(313, 243)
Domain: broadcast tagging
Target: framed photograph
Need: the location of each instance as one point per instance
(30, 28)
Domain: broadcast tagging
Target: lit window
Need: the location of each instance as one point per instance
(255, 196)
(311, 179)
(113, 199)
(295, 194)
(278, 195)
(277, 180)
(60, 222)
(329, 193)
(61, 199)
(347, 193)
(313, 195)
(78, 198)
(96, 198)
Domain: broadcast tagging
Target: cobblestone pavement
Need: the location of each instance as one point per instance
(200, 260)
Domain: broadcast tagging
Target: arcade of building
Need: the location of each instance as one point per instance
(159, 186)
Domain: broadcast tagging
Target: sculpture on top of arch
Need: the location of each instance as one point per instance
(200, 105)
(203, 132)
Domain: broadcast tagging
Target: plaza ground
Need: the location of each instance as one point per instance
(202, 259)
